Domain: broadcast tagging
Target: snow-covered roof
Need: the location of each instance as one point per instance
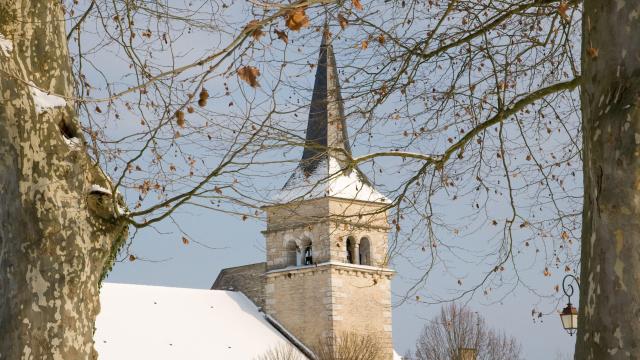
(327, 179)
(153, 322)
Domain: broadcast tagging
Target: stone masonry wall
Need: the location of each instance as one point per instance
(362, 304)
(248, 279)
(329, 300)
(300, 300)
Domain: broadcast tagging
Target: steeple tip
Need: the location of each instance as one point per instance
(326, 35)
(326, 127)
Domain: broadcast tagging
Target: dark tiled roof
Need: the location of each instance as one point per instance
(326, 127)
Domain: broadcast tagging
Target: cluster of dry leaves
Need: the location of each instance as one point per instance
(250, 75)
(202, 102)
(295, 20)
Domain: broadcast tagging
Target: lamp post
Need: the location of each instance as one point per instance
(569, 315)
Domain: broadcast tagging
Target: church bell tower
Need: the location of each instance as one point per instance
(326, 236)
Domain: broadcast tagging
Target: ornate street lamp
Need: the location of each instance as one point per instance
(569, 315)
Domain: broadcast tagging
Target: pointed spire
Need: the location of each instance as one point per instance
(319, 171)
(326, 127)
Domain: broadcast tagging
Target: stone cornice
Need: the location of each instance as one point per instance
(331, 219)
(297, 202)
(333, 265)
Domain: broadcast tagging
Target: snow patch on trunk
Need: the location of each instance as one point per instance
(95, 188)
(44, 101)
(73, 142)
(5, 45)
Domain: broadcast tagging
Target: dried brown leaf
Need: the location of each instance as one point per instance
(296, 19)
(180, 118)
(255, 29)
(343, 21)
(203, 96)
(562, 10)
(249, 74)
(282, 35)
(357, 4)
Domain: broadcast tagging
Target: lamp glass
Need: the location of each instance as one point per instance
(569, 321)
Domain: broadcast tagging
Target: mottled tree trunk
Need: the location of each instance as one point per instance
(609, 325)
(53, 248)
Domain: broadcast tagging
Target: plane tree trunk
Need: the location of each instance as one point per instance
(609, 309)
(57, 236)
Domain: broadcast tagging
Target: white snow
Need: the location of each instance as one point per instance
(5, 45)
(396, 356)
(121, 210)
(73, 142)
(95, 188)
(44, 101)
(328, 180)
(152, 322)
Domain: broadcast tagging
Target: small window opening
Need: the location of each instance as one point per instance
(308, 258)
(365, 251)
(351, 250)
(292, 254)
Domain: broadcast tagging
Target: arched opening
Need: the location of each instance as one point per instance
(307, 253)
(351, 250)
(365, 251)
(291, 254)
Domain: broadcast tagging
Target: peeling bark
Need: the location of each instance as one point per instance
(53, 248)
(609, 326)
